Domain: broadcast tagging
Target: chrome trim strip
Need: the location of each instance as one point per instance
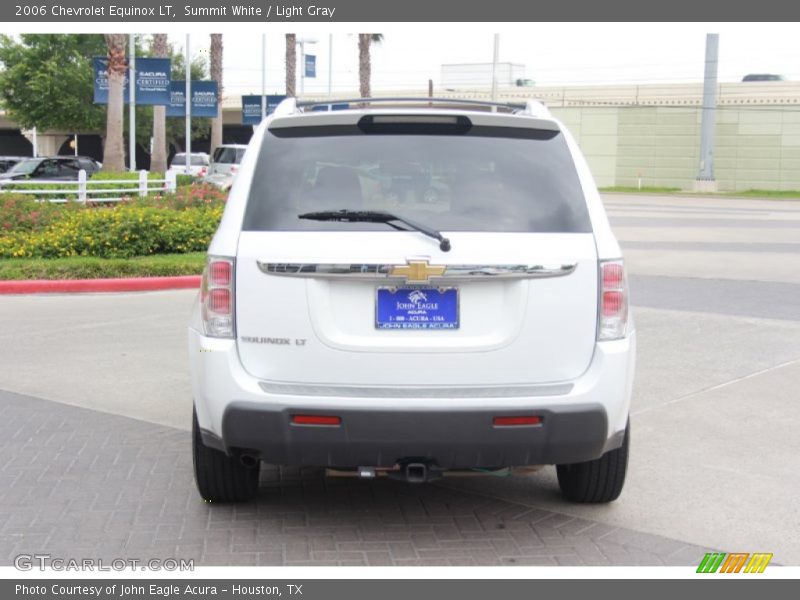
(373, 271)
(517, 391)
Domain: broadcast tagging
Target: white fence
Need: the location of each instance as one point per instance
(81, 190)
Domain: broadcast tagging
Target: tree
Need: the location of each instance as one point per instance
(158, 160)
(291, 64)
(113, 151)
(175, 128)
(365, 40)
(216, 75)
(47, 81)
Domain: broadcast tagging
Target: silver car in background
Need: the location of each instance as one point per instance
(224, 165)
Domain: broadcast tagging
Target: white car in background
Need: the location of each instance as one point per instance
(350, 319)
(224, 165)
(198, 166)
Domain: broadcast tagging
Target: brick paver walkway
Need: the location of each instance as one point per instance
(76, 483)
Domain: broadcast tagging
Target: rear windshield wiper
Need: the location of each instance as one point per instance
(376, 216)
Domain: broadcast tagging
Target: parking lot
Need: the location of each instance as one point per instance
(95, 408)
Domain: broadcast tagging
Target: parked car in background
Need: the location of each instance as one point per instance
(224, 165)
(6, 162)
(763, 77)
(53, 168)
(198, 165)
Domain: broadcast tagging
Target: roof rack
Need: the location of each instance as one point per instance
(509, 106)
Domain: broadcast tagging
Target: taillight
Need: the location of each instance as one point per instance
(613, 300)
(201, 172)
(234, 168)
(216, 297)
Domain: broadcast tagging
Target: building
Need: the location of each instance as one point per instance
(629, 133)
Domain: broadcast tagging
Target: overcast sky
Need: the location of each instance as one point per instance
(553, 54)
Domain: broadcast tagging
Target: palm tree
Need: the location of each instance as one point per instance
(114, 151)
(158, 160)
(365, 40)
(291, 64)
(216, 75)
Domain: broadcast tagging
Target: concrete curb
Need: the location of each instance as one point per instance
(71, 286)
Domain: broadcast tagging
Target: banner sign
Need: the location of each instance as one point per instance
(204, 99)
(311, 65)
(152, 81)
(101, 82)
(251, 107)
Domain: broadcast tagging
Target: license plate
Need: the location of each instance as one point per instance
(416, 308)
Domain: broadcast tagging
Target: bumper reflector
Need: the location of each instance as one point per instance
(316, 420)
(516, 421)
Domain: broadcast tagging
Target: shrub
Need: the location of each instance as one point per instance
(20, 212)
(121, 231)
(185, 197)
(184, 180)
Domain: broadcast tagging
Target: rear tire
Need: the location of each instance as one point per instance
(599, 480)
(219, 477)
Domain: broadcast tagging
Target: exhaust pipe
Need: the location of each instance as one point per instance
(416, 472)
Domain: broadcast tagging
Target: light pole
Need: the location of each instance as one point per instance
(330, 66)
(188, 93)
(131, 104)
(302, 43)
(263, 76)
(705, 178)
(495, 58)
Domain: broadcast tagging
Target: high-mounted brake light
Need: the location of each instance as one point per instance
(216, 297)
(613, 301)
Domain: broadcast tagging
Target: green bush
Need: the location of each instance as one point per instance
(20, 212)
(121, 231)
(184, 197)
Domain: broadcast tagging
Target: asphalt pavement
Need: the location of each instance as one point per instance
(101, 381)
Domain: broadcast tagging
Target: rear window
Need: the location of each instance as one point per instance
(479, 179)
(228, 155)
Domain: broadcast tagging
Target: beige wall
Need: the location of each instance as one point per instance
(756, 147)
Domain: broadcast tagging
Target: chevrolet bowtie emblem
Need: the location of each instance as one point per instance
(417, 271)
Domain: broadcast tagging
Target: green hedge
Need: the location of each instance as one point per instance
(20, 212)
(116, 232)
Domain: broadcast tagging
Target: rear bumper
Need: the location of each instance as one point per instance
(581, 419)
(382, 438)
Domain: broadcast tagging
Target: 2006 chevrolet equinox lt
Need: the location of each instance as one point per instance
(406, 287)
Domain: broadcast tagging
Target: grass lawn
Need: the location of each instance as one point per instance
(87, 267)
(643, 190)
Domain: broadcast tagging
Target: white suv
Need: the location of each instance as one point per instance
(407, 287)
